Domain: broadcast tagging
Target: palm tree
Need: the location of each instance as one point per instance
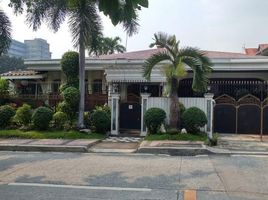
(175, 62)
(112, 45)
(5, 32)
(84, 22)
(108, 45)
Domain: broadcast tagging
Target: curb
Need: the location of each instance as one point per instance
(112, 150)
(175, 151)
(48, 148)
(44, 148)
(190, 151)
(218, 151)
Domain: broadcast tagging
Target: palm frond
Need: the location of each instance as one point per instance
(163, 40)
(52, 12)
(180, 70)
(152, 61)
(85, 23)
(124, 12)
(200, 64)
(5, 32)
(131, 26)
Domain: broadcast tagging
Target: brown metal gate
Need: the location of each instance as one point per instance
(248, 115)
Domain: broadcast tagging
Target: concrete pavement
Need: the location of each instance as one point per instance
(228, 144)
(53, 145)
(131, 176)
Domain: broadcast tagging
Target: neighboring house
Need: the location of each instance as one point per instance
(234, 76)
(36, 49)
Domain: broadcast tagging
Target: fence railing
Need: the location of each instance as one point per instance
(91, 100)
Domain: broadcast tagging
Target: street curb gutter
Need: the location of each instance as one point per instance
(185, 151)
(48, 148)
(193, 151)
(43, 148)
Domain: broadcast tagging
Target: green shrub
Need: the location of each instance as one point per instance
(87, 120)
(4, 86)
(101, 121)
(105, 108)
(4, 91)
(6, 114)
(213, 141)
(172, 131)
(182, 108)
(70, 67)
(193, 119)
(23, 115)
(42, 117)
(64, 107)
(67, 109)
(70, 63)
(71, 96)
(59, 119)
(154, 118)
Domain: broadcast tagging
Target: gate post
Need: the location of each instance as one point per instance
(209, 102)
(144, 107)
(114, 113)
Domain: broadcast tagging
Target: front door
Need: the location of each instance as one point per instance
(130, 115)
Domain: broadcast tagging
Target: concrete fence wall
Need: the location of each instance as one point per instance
(164, 102)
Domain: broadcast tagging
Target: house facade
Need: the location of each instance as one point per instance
(235, 76)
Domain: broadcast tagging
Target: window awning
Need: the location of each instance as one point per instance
(132, 75)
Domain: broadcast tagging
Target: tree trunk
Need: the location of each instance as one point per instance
(174, 108)
(81, 85)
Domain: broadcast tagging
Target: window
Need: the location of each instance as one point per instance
(55, 86)
(97, 86)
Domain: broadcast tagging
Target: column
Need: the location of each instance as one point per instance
(109, 94)
(144, 108)
(209, 102)
(89, 81)
(103, 85)
(114, 113)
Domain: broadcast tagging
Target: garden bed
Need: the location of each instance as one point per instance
(49, 134)
(179, 137)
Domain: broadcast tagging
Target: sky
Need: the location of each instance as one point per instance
(221, 25)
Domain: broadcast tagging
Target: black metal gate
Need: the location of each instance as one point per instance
(248, 115)
(265, 116)
(130, 115)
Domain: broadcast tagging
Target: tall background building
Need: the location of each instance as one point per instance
(36, 49)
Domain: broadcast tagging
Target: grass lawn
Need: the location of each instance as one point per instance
(49, 134)
(182, 137)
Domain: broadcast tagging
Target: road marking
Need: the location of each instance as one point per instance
(189, 194)
(82, 187)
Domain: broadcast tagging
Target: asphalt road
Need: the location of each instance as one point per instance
(58, 176)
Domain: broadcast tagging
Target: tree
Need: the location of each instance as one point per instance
(175, 60)
(109, 45)
(5, 32)
(10, 63)
(4, 86)
(84, 23)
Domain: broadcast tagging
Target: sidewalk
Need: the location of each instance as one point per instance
(179, 148)
(54, 145)
(228, 145)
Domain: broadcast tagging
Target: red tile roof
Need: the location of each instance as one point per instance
(144, 54)
(251, 51)
(20, 73)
